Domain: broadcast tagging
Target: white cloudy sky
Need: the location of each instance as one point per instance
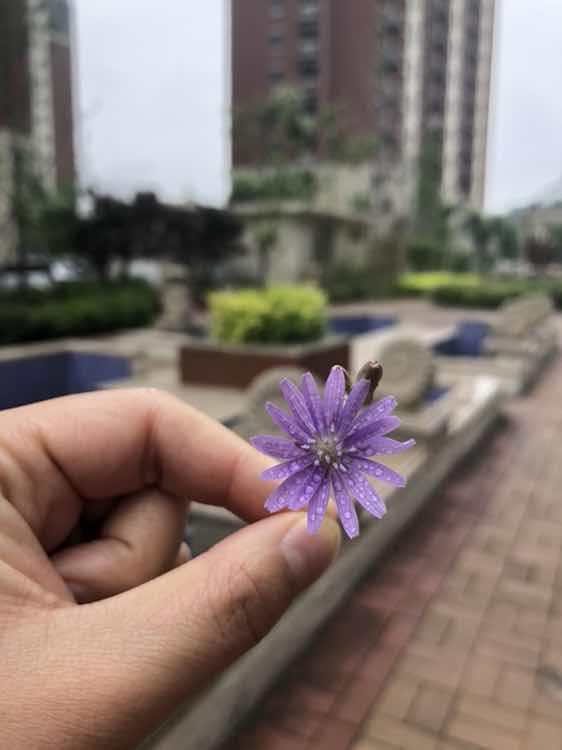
(153, 95)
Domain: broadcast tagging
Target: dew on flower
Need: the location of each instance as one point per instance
(331, 439)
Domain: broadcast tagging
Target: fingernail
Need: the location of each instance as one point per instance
(308, 555)
(80, 593)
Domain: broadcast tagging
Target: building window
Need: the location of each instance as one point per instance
(276, 39)
(308, 28)
(311, 101)
(276, 76)
(308, 67)
(59, 19)
(277, 8)
(465, 182)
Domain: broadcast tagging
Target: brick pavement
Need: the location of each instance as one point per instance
(438, 649)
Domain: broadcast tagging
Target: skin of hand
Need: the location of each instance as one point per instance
(105, 627)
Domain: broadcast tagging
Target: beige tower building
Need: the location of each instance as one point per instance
(35, 99)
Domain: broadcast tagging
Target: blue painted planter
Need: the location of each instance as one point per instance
(355, 325)
(467, 341)
(30, 379)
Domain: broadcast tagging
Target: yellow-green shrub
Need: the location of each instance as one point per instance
(277, 315)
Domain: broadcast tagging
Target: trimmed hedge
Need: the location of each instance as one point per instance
(491, 294)
(487, 295)
(278, 315)
(75, 309)
(471, 290)
(420, 284)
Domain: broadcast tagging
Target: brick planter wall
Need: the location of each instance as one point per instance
(210, 363)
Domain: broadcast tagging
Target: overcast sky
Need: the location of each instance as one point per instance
(153, 99)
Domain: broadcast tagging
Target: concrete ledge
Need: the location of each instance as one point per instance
(208, 722)
(517, 375)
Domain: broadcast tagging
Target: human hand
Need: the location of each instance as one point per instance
(153, 631)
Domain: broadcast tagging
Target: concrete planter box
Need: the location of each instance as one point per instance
(213, 364)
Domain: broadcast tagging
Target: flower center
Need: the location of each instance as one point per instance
(327, 450)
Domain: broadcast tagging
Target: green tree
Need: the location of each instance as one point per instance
(43, 218)
(506, 237)
(540, 251)
(431, 227)
(279, 130)
(481, 231)
(492, 237)
(556, 240)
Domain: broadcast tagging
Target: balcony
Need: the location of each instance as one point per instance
(308, 67)
(308, 48)
(309, 9)
(309, 28)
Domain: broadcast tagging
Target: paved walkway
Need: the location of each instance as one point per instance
(455, 641)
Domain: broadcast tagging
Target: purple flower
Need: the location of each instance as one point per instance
(331, 440)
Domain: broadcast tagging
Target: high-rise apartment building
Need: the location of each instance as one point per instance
(413, 73)
(35, 97)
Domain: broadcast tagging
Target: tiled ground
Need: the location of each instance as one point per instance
(439, 648)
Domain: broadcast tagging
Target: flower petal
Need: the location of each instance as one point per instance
(276, 447)
(346, 509)
(313, 482)
(375, 412)
(283, 471)
(385, 446)
(354, 402)
(317, 507)
(286, 492)
(363, 436)
(365, 494)
(374, 469)
(334, 392)
(285, 423)
(297, 405)
(313, 401)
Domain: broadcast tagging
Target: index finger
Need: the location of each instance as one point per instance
(112, 443)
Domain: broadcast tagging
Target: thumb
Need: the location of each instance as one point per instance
(154, 646)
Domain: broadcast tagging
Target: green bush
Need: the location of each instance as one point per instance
(345, 283)
(472, 290)
(424, 255)
(488, 295)
(280, 185)
(277, 315)
(420, 284)
(75, 309)
(491, 293)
